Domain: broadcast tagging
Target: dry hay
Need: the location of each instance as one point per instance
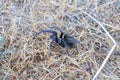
(25, 58)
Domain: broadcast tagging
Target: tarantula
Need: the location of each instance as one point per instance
(65, 40)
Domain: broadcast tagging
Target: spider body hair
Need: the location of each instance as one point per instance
(65, 40)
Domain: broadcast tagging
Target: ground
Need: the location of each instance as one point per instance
(23, 57)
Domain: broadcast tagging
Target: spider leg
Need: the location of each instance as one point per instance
(67, 50)
(66, 47)
(49, 31)
(75, 41)
(55, 27)
(51, 46)
(78, 42)
(76, 47)
(81, 44)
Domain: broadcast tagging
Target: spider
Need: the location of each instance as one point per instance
(65, 40)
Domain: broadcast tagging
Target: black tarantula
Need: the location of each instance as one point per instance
(65, 40)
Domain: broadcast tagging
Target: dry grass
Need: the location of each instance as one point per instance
(25, 58)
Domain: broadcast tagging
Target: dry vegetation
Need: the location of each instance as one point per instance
(25, 58)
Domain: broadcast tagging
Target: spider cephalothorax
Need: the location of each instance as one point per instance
(65, 40)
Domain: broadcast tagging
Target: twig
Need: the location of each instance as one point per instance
(110, 52)
(114, 27)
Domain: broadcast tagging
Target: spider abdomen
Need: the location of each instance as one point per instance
(70, 45)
